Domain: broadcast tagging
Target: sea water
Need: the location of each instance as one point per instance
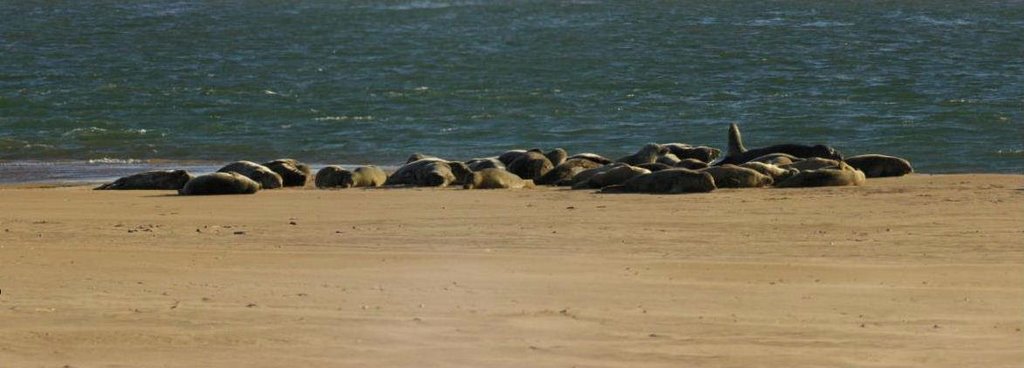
(98, 88)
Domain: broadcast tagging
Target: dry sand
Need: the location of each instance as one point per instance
(920, 271)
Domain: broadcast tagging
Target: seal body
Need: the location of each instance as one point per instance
(877, 166)
(592, 157)
(814, 163)
(776, 159)
(668, 159)
(267, 178)
(337, 177)
(732, 176)
(691, 163)
(685, 151)
(823, 178)
(478, 164)
(496, 179)
(563, 174)
(220, 183)
(646, 155)
(656, 166)
(615, 175)
(430, 172)
(530, 165)
(738, 154)
(557, 156)
(152, 180)
(672, 181)
(777, 173)
(293, 173)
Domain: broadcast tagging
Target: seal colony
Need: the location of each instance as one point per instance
(656, 168)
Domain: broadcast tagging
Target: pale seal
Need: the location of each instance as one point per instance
(612, 176)
(823, 178)
(496, 179)
(777, 173)
(478, 164)
(220, 183)
(646, 155)
(151, 180)
(592, 157)
(691, 163)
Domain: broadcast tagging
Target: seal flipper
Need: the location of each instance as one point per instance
(735, 141)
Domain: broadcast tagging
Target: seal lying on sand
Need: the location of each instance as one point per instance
(293, 173)
(220, 183)
(672, 181)
(267, 178)
(563, 174)
(738, 154)
(732, 176)
(646, 155)
(511, 155)
(154, 180)
(777, 173)
(824, 178)
(557, 156)
(877, 166)
(813, 163)
(496, 179)
(530, 165)
(657, 166)
(668, 159)
(592, 157)
(430, 172)
(685, 151)
(776, 159)
(614, 175)
(478, 164)
(337, 177)
(691, 163)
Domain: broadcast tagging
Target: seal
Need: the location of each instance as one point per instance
(738, 154)
(511, 155)
(878, 166)
(823, 178)
(672, 181)
(691, 163)
(592, 157)
(732, 176)
(293, 172)
(646, 155)
(220, 183)
(614, 175)
(478, 164)
(684, 151)
(430, 172)
(814, 163)
(585, 175)
(267, 178)
(777, 159)
(150, 180)
(656, 166)
(557, 156)
(337, 177)
(668, 159)
(777, 173)
(496, 179)
(530, 165)
(562, 175)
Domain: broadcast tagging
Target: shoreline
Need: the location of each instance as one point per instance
(909, 271)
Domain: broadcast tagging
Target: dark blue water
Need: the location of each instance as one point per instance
(938, 82)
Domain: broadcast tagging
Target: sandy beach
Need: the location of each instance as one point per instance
(918, 271)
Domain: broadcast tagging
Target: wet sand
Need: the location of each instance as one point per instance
(919, 271)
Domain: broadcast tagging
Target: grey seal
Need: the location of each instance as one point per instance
(878, 166)
(293, 173)
(267, 178)
(563, 174)
(337, 177)
(530, 165)
(430, 172)
(738, 154)
(732, 176)
(220, 183)
(672, 181)
(151, 180)
(646, 155)
(496, 179)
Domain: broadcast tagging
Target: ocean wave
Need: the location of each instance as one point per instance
(826, 24)
(924, 19)
(114, 161)
(98, 132)
(345, 118)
